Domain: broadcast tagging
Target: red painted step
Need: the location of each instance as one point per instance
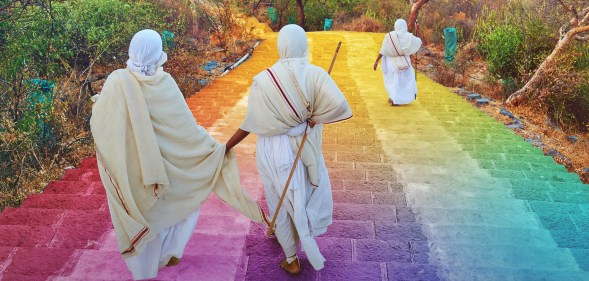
(65, 201)
(31, 216)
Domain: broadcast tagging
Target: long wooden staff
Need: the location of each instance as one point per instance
(416, 34)
(294, 165)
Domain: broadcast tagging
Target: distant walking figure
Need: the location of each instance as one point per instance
(399, 77)
(156, 163)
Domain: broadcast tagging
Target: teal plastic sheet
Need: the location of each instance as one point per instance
(328, 24)
(450, 43)
(40, 104)
(273, 15)
(168, 39)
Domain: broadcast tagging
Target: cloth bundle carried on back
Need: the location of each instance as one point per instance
(399, 45)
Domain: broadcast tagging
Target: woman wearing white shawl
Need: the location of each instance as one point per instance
(399, 77)
(283, 100)
(156, 163)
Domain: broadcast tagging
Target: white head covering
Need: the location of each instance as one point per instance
(409, 43)
(294, 51)
(400, 25)
(146, 53)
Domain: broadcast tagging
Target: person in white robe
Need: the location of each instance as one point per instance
(156, 163)
(398, 73)
(285, 101)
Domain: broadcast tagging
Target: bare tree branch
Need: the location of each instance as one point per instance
(566, 36)
(417, 5)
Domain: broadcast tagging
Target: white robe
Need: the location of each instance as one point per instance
(401, 85)
(157, 164)
(169, 243)
(277, 114)
(398, 73)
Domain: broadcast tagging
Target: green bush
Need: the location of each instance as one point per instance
(501, 45)
(60, 42)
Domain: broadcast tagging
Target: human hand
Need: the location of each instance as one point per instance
(375, 65)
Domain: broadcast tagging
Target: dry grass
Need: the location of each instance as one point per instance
(361, 24)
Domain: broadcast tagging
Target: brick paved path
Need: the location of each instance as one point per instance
(431, 191)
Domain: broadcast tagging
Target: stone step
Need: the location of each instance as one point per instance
(502, 274)
(31, 216)
(35, 263)
(81, 174)
(442, 216)
(25, 235)
(88, 163)
(465, 170)
(491, 235)
(65, 201)
(364, 212)
(109, 266)
(74, 187)
(469, 203)
(467, 190)
(509, 256)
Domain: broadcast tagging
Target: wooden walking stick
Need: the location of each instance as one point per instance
(416, 34)
(334, 56)
(294, 165)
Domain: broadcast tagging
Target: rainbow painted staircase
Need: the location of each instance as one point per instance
(435, 190)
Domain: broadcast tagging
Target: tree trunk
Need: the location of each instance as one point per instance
(301, 9)
(533, 83)
(414, 13)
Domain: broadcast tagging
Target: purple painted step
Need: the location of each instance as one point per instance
(382, 251)
(268, 268)
(64, 201)
(404, 271)
(331, 248)
(364, 212)
(351, 270)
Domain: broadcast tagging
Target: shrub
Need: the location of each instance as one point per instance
(41, 129)
(501, 45)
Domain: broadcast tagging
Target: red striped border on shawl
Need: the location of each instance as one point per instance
(277, 84)
(118, 191)
(136, 240)
(398, 53)
(341, 120)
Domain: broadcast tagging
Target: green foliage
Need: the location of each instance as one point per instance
(514, 41)
(40, 123)
(501, 45)
(582, 60)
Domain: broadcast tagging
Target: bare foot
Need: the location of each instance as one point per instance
(173, 261)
